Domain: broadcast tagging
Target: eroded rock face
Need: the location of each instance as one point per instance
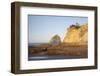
(76, 34)
(55, 40)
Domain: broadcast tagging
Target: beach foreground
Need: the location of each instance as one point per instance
(63, 50)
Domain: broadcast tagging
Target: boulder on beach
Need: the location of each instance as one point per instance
(55, 40)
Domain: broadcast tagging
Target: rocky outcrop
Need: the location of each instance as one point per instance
(76, 34)
(72, 45)
(55, 40)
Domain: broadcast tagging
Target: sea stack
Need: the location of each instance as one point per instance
(55, 40)
(76, 34)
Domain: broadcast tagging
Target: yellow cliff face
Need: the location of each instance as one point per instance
(77, 34)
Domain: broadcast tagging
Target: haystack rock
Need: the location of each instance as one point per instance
(55, 40)
(76, 34)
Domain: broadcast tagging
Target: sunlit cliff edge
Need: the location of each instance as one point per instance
(76, 34)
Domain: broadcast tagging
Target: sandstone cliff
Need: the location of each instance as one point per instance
(76, 34)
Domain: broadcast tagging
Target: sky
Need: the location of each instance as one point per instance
(42, 28)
